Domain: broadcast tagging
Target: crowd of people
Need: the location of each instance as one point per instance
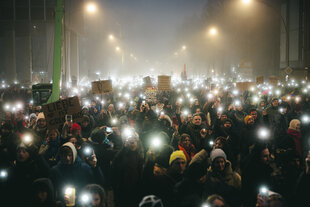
(188, 147)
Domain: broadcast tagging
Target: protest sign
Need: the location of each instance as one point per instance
(100, 87)
(259, 80)
(56, 112)
(164, 83)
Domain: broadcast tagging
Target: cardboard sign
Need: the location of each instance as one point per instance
(56, 112)
(100, 87)
(260, 80)
(244, 86)
(164, 83)
(150, 94)
(274, 80)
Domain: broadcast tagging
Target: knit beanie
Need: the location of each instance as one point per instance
(246, 119)
(179, 154)
(75, 126)
(293, 124)
(217, 153)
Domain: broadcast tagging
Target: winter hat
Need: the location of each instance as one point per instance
(33, 116)
(72, 147)
(293, 124)
(40, 116)
(217, 153)
(179, 154)
(98, 135)
(247, 118)
(75, 126)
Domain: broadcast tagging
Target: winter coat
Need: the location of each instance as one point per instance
(189, 153)
(194, 132)
(226, 184)
(78, 174)
(46, 185)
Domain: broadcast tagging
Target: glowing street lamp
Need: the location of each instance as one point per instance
(246, 1)
(213, 31)
(91, 8)
(111, 37)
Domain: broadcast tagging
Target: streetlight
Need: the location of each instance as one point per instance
(213, 31)
(246, 1)
(117, 49)
(91, 7)
(111, 37)
(183, 47)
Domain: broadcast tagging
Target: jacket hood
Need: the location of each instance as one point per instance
(72, 147)
(44, 184)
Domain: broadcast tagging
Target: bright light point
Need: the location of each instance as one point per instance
(278, 92)
(297, 99)
(235, 92)
(220, 109)
(156, 142)
(69, 191)
(91, 8)
(205, 205)
(85, 198)
(111, 37)
(128, 132)
(3, 173)
(252, 89)
(289, 98)
(210, 95)
(281, 110)
(27, 139)
(162, 113)
(120, 105)
(211, 143)
(114, 121)
(87, 151)
(117, 49)
(246, 1)
(7, 107)
(213, 31)
(237, 103)
(305, 119)
(183, 47)
(185, 112)
(263, 133)
(263, 190)
(180, 100)
(255, 99)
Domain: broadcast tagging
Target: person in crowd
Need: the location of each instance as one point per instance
(40, 128)
(197, 132)
(70, 170)
(256, 171)
(50, 146)
(222, 180)
(127, 169)
(43, 194)
(185, 144)
(9, 142)
(216, 201)
(86, 127)
(29, 167)
(151, 200)
(96, 196)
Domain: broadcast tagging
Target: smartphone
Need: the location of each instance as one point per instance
(69, 118)
(109, 129)
(70, 193)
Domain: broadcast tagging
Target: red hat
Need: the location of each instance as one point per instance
(75, 126)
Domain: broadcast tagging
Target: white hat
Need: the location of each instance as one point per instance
(217, 153)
